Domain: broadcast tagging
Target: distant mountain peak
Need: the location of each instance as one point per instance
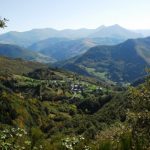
(115, 31)
(30, 37)
(116, 25)
(101, 27)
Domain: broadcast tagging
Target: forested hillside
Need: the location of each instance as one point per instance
(70, 82)
(53, 109)
(121, 63)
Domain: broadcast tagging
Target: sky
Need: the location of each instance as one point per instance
(61, 14)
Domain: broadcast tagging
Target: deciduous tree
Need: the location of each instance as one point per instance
(3, 22)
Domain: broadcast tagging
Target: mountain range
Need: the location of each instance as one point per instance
(124, 62)
(46, 107)
(63, 48)
(109, 53)
(28, 38)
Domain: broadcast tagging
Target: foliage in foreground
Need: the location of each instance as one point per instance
(57, 119)
(3, 23)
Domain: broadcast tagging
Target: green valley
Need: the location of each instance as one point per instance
(122, 63)
(54, 109)
(81, 88)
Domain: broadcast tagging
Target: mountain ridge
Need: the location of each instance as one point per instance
(63, 48)
(27, 38)
(121, 63)
(14, 51)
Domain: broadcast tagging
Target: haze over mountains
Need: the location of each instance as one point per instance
(93, 52)
(29, 37)
(63, 44)
(14, 51)
(145, 32)
(62, 48)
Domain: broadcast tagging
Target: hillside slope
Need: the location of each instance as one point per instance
(18, 66)
(49, 107)
(121, 63)
(14, 51)
(63, 48)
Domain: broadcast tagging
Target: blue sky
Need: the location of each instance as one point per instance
(60, 14)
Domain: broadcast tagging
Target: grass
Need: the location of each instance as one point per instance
(101, 75)
(18, 66)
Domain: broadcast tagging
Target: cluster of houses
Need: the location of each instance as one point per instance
(78, 88)
(75, 87)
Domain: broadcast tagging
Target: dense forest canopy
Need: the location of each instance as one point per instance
(52, 109)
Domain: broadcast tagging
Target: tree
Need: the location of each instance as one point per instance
(3, 23)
